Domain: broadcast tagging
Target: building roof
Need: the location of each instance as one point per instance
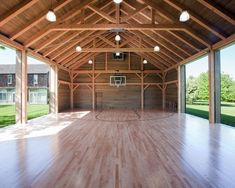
(32, 68)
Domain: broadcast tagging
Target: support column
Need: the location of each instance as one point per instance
(21, 87)
(214, 86)
(142, 90)
(163, 91)
(71, 90)
(181, 89)
(93, 84)
(54, 89)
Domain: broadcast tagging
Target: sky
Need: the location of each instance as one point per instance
(7, 56)
(227, 61)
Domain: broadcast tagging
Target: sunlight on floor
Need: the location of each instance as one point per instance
(43, 126)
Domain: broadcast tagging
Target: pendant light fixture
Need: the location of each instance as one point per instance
(117, 1)
(156, 49)
(145, 61)
(90, 62)
(118, 54)
(184, 16)
(51, 17)
(78, 48)
(117, 38)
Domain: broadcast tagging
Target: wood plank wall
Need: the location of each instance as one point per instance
(63, 91)
(111, 97)
(172, 90)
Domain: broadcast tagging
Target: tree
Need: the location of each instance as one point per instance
(203, 86)
(191, 89)
(2, 47)
(226, 88)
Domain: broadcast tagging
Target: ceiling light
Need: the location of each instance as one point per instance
(156, 49)
(145, 61)
(78, 49)
(90, 61)
(51, 17)
(117, 38)
(118, 53)
(184, 16)
(117, 1)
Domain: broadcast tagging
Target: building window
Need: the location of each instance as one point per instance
(3, 96)
(35, 79)
(9, 79)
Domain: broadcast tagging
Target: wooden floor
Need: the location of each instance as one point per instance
(118, 148)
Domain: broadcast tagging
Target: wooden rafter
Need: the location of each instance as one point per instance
(37, 19)
(16, 10)
(101, 13)
(218, 10)
(197, 19)
(47, 29)
(188, 29)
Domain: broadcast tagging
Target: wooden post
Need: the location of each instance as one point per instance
(214, 86)
(142, 84)
(129, 61)
(93, 84)
(71, 90)
(181, 89)
(106, 61)
(54, 89)
(21, 87)
(163, 91)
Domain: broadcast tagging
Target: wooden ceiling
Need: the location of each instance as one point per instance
(89, 23)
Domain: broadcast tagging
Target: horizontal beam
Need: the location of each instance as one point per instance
(117, 71)
(117, 50)
(79, 27)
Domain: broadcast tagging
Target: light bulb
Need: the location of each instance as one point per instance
(90, 61)
(156, 49)
(51, 17)
(145, 61)
(78, 49)
(184, 16)
(117, 1)
(117, 38)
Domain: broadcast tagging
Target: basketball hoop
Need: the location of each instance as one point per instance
(117, 81)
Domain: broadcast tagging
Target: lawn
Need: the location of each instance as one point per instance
(201, 109)
(7, 113)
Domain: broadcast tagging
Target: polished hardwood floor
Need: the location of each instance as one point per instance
(117, 149)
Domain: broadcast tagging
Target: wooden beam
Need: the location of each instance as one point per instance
(117, 49)
(107, 41)
(80, 27)
(133, 13)
(218, 10)
(37, 19)
(16, 10)
(102, 14)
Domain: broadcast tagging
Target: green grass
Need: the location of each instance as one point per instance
(200, 108)
(7, 113)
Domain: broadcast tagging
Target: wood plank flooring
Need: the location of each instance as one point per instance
(117, 149)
